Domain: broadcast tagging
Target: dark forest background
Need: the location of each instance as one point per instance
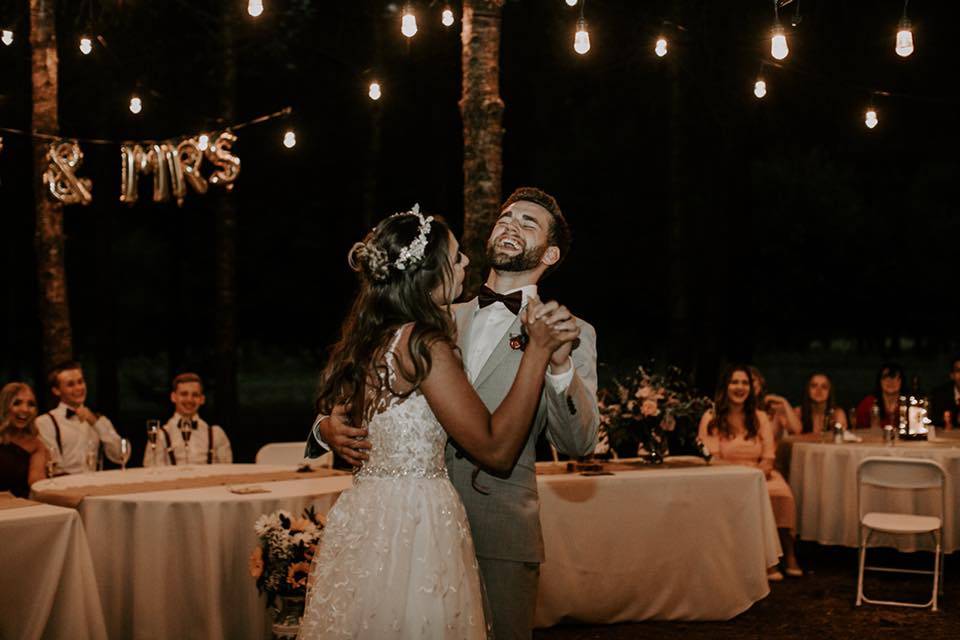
(709, 226)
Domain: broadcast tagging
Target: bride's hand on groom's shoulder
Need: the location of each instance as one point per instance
(551, 327)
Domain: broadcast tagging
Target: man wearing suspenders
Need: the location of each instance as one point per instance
(75, 435)
(208, 444)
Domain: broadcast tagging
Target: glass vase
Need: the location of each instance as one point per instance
(286, 617)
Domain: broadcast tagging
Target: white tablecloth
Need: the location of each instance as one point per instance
(824, 481)
(665, 544)
(173, 564)
(48, 589)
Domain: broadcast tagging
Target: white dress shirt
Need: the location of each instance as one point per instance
(199, 444)
(77, 437)
(487, 329)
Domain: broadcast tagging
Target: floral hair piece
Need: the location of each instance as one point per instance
(412, 254)
(377, 261)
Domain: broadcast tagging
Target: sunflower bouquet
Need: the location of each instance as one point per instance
(280, 563)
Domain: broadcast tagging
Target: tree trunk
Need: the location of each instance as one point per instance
(56, 334)
(226, 251)
(482, 111)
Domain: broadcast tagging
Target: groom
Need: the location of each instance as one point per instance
(529, 240)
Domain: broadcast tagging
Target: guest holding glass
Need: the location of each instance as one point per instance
(186, 438)
(885, 397)
(817, 412)
(23, 456)
(781, 414)
(74, 434)
(945, 403)
(735, 431)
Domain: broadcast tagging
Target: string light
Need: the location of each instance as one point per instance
(760, 88)
(374, 92)
(7, 37)
(408, 24)
(661, 48)
(778, 43)
(203, 142)
(289, 139)
(255, 7)
(571, 3)
(904, 38)
(135, 105)
(86, 45)
(870, 118)
(581, 41)
(447, 16)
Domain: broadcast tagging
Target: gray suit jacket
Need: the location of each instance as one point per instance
(505, 521)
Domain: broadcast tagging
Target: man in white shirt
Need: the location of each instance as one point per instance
(207, 444)
(529, 240)
(75, 435)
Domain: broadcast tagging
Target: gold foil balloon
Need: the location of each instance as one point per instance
(133, 161)
(191, 157)
(171, 158)
(65, 158)
(227, 165)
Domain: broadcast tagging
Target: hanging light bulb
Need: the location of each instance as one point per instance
(374, 92)
(203, 142)
(447, 16)
(255, 7)
(7, 37)
(135, 105)
(289, 139)
(661, 48)
(778, 43)
(86, 45)
(571, 3)
(581, 41)
(760, 88)
(870, 118)
(408, 24)
(904, 38)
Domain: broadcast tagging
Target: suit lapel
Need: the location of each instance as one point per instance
(499, 353)
(463, 314)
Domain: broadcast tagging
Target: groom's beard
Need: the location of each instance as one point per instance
(525, 261)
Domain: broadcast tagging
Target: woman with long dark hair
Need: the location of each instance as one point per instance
(396, 559)
(886, 397)
(817, 411)
(737, 432)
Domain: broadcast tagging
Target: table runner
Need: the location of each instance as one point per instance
(74, 496)
(9, 501)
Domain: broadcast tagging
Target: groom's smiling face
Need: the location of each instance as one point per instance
(518, 241)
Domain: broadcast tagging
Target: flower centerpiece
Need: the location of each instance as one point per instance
(657, 412)
(280, 563)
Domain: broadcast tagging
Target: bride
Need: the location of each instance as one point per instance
(396, 559)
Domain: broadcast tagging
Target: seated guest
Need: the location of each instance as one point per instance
(23, 458)
(885, 396)
(736, 432)
(945, 403)
(208, 444)
(817, 412)
(75, 435)
(778, 408)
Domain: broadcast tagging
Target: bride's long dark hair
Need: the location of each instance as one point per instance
(388, 298)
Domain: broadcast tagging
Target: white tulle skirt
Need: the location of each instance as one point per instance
(396, 561)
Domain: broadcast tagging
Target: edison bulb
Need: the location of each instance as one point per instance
(7, 37)
(203, 142)
(581, 41)
(135, 105)
(86, 46)
(904, 39)
(289, 139)
(571, 3)
(760, 88)
(374, 92)
(661, 48)
(778, 44)
(408, 24)
(447, 17)
(255, 7)
(870, 119)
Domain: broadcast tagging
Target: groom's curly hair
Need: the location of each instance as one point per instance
(558, 235)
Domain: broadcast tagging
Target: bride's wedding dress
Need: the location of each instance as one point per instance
(396, 559)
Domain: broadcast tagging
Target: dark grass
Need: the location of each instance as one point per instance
(819, 605)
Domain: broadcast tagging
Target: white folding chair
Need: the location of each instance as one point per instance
(905, 474)
(290, 453)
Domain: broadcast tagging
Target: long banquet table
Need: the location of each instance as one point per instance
(690, 543)
(173, 563)
(48, 588)
(823, 477)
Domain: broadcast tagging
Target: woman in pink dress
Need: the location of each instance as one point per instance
(736, 432)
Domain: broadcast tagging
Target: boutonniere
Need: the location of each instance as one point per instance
(519, 342)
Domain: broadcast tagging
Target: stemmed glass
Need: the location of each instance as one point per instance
(186, 430)
(153, 433)
(125, 451)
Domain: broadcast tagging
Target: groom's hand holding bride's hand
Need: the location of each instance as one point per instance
(551, 325)
(347, 442)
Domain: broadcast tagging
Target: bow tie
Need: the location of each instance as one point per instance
(71, 414)
(184, 422)
(512, 301)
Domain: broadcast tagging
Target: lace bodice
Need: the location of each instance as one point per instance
(406, 438)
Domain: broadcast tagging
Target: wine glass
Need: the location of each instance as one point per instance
(186, 430)
(153, 434)
(125, 451)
